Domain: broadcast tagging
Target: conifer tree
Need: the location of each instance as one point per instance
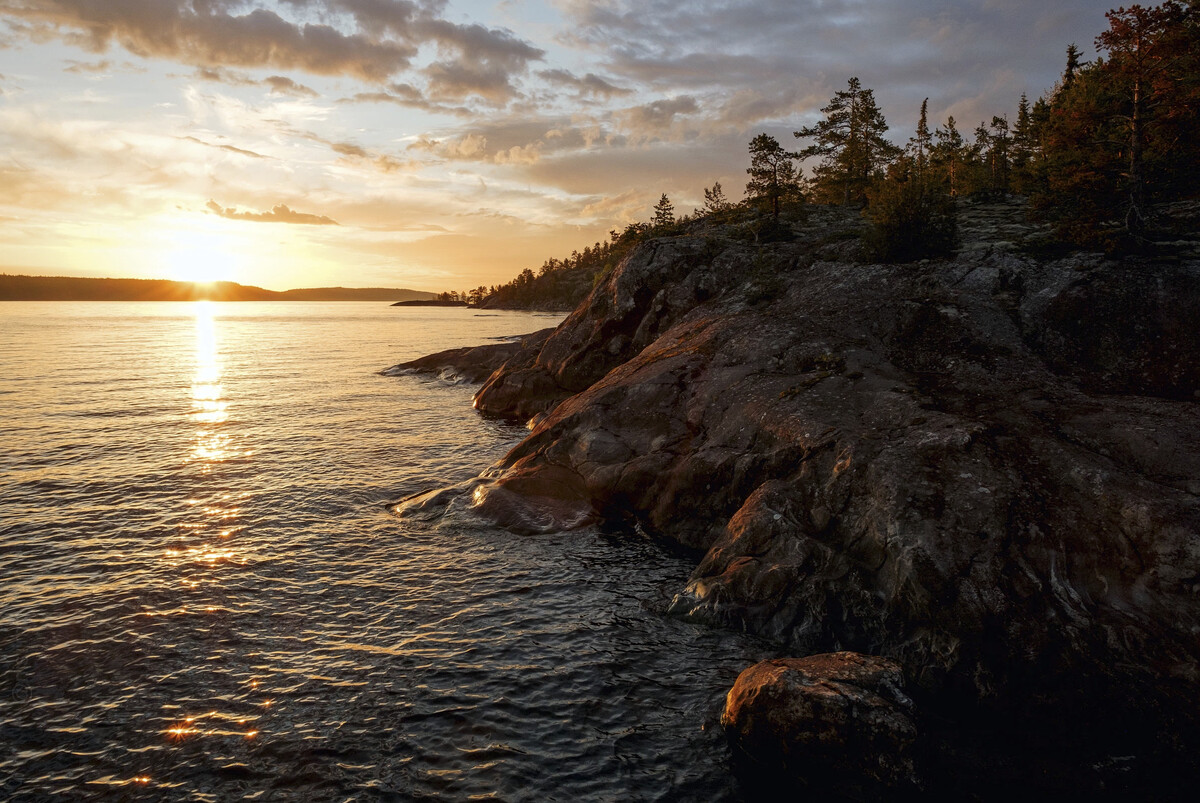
(850, 142)
(998, 156)
(1124, 134)
(1024, 146)
(949, 157)
(664, 213)
(715, 202)
(1072, 68)
(920, 146)
(773, 174)
(912, 213)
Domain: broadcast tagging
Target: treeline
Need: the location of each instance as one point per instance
(75, 288)
(563, 283)
(1100, 156)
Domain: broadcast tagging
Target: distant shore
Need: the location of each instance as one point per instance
(73, 288)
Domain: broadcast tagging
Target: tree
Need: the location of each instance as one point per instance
(949, 157)
(1072, 68)
(911, 211)
(850, 142)
(773, 174)
(912, 216)
(1123, 135)
(997, 156)
(1143, 46)
(715, 202)
(664, 213)
(921, 144)
(1024, 146)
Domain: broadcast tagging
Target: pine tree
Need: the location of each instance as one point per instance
(1143, 44)
(1072, 68)
(1024, 146)
(773, 174)
(949, 157)
(850, 142)
(715, 202)
(912, 212)
(920, 146)
(664, 213)
(998, 156)
(912, 215)
(1124, 134)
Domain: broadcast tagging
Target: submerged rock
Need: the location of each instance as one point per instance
(837, 722)
(957, 465)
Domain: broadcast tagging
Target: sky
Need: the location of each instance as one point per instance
(441, 145)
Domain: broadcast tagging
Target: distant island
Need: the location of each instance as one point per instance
(430, 302)
(73, 288)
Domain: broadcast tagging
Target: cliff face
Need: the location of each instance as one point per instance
(987, 469)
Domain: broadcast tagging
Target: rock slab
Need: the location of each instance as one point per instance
(838, 721)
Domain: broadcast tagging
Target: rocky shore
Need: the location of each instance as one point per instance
(979, 475)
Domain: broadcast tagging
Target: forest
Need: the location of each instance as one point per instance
(1109, 157)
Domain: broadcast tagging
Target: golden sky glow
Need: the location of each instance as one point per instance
(442, 145)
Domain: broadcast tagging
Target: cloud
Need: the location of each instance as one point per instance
(357, 154)
(590, 85)
(797, 50)
(229, 148)
(282, 85)
(208, 34)
(520, 154)
(280, 214)
(369, 40)
(349, 149)
(506, 141)
(220, 75)
(656, 120)
(409, 97)
(465, 147)
(83, 67)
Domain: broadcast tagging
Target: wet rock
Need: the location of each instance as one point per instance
(838, 722)
(475, 363)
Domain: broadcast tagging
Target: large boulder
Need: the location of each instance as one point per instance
(837, 722)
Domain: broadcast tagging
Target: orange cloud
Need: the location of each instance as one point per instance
(280, 214)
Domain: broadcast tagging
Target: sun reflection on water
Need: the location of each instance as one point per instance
(208, 542)
(210, 408)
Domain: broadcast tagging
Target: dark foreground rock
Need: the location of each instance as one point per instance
(986, 469)
(840, 722)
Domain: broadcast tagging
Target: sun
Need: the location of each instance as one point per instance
(200, 253)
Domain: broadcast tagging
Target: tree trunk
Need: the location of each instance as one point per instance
(1135, 218)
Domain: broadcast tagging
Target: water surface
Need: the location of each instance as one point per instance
(204, 595)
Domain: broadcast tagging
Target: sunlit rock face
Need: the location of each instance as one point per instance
(960, 465)
(835, 723)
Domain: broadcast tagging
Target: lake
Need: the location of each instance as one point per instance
(205, 594)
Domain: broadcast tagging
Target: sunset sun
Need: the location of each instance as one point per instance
(201, 254)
